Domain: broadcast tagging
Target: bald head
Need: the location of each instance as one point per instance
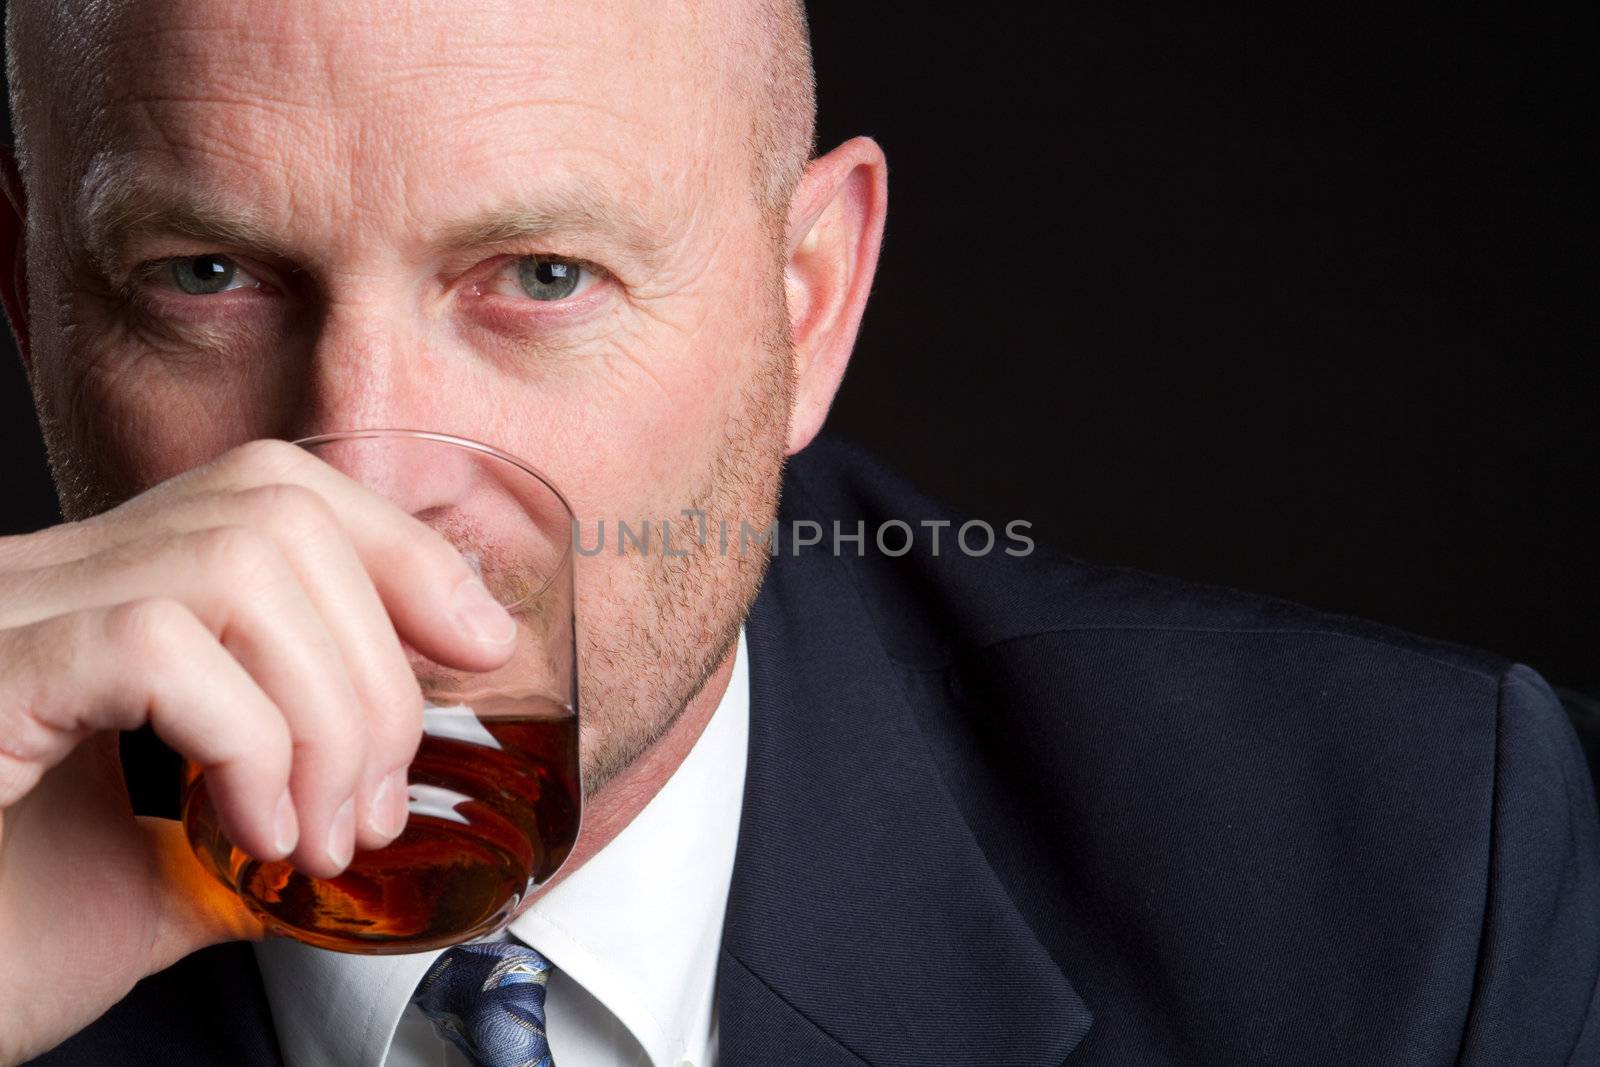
(52, 47)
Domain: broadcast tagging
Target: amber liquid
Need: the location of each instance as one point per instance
(494, 810)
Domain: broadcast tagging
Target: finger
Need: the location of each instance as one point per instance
(148, 661)
(236, 582)
(312, 541)
(435, 599)
(341, 591)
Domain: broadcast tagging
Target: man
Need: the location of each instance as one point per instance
(991, 808)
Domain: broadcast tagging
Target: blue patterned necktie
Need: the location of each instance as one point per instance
(487, 999)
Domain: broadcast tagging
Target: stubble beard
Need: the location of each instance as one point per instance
(655, 656)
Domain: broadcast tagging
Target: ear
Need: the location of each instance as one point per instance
(835, 228)
(13, 252)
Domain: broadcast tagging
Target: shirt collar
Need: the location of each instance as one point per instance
(639, 925)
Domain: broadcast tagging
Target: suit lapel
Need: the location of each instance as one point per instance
(864, 924)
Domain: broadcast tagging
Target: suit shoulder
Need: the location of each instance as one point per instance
(939, 600)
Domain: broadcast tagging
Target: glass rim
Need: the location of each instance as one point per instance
(438, 437)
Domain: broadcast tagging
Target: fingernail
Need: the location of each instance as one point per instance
(342, 834)
(480, 616)
(285, 828)
(387, 815)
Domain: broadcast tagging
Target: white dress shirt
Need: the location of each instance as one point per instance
(633, 935)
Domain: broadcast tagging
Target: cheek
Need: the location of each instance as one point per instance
(673, 427)
(633, 430)
(135, 421)
(646, 450)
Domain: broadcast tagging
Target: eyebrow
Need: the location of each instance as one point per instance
(134, 205)
(571, 208)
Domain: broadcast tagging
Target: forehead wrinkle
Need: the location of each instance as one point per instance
(700, 51)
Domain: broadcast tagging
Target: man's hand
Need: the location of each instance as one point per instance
(252, 612)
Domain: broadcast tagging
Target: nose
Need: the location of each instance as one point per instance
(420, 475)
(365, 372)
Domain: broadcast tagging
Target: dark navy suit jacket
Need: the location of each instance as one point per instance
(1027, 811)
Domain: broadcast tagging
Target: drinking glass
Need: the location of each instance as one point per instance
(495, 798)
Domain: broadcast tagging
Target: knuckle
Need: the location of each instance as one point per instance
(152, 632)
(257, 743)
(237, 553)
(295, 511)
(265, 744)
(397, 721)
(340, 738)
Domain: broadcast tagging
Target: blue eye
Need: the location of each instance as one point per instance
(547, 278)
(204, 275)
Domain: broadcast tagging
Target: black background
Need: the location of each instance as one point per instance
(1300, 300)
